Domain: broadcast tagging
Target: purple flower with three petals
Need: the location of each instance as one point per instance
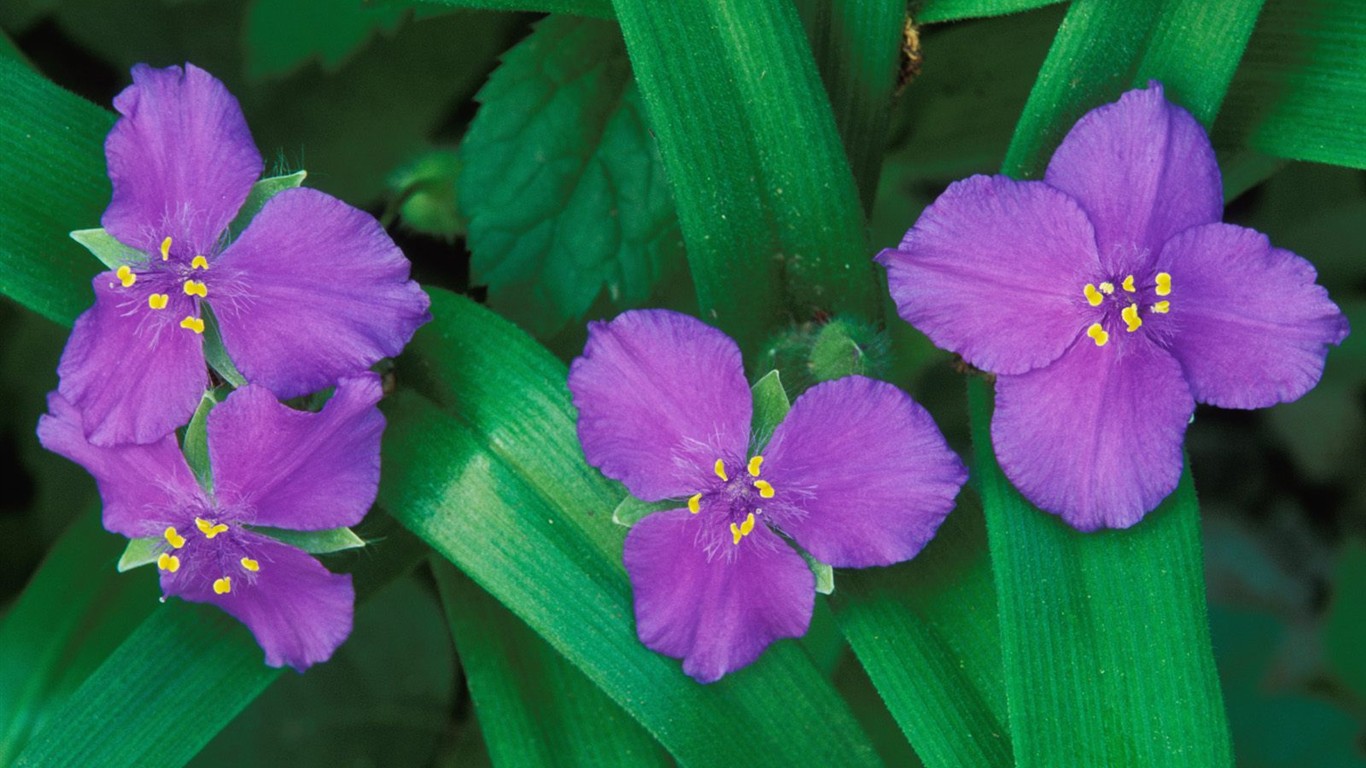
(312, 290)
(1108, 299)
(271, 466)
(857, 475)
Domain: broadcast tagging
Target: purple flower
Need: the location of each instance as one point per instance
(271, 466)
(1109, 298)
(313, 289)
(857, 475)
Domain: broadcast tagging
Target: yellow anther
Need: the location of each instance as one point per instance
(251, 565)
(765, 490)
(1128, 284)
(196, 288)
(735, 533)
(158, 300)
(695, 503)
(1162, 307)
(166, 248)
(742, 530)
(720, 469)
(1131, 319)
(173, 538)
(222, 586)
(1098, 334)
(168, 562)
(191, 323)
(1107, 288)
(754, 465)
(1093, 296)
(126, 276)
(1164, 283)
(199, 262)
(209, 529)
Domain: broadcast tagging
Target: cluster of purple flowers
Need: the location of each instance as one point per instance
(308, 296)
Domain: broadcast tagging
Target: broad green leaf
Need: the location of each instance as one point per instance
(562, 183)
(768, 220)
(600, 9)
(261, 191)
(933, 11)
(52, 160)
(316, 542)
(104, 247)
(494, 479)
(424, 194)
(534, 707)
(283, 35)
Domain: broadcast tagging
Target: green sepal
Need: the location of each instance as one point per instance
(138, 553)
(631, 510)
(109, 251)
(215, 354)
(770, 406)
(262, 191)
(825, 575)
(196, 444)
(315, 542)
(847, 347)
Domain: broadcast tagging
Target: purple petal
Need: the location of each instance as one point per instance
(719, 613)
(661, 397)
(867, 470)
(1143, 169)
(315, 290)
(140, 485)
(299, 470)
(1096, 436)
(132, 372)
(994, 270)
(1252, 327)
(298, 610)
(181, 161)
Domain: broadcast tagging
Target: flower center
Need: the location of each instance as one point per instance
(1125, 304)
(738, 498)
(167, 278)
(216, 563)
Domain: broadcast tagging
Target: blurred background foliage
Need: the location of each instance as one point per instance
(378, 103)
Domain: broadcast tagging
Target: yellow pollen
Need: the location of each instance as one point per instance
(158, 300)
(166, 248)
(1107, 288)
(199, 262)
(695, 503)
(1093, 296)
(754, 465)
(1131, 318)
(720, 469)
(222, 586)
(251, 565)
(196, 288)
(209, 529)
(742, 530)
(1162, 307)
(765, 490)
(1128, 284)
(1098, 334)
(192, 324)
(168, 562)
(1164, 283)
(126, 276)
(173, 538)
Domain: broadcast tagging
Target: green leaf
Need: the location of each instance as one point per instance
(534, 707)
(1344, 631)
(770, 406)
(561, 181)
(109, 251)
(934, 11)
(138, 553)
(261, 191)
(494, 479)
(315, 542)
(599, 9)
(282, 35)
(52, 160)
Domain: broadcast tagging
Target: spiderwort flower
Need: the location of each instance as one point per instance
(312, 290)
(1108, 299)
(857, 474)
(271, 466)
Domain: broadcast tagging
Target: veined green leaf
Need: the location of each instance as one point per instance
(534, 707)
(562, 183)
(934, 11)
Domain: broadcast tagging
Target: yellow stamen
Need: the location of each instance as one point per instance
(1093, 296)
(735, 533)
(754, 465)
(168, 562)
(126, 276)
(720, 469)
(251, 565)
(196, 288)
(173, 538)
(1164, 283)
(199, 262)
(166, 248)
(1098, 334)
(1162, 307)
(765, 490)
(209, 529)
(742, 530)
(1128, 284)
(1107, 288)
(1131, 319)
(222, 586)
(695, 503)
(158, 300)
(192, 324)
